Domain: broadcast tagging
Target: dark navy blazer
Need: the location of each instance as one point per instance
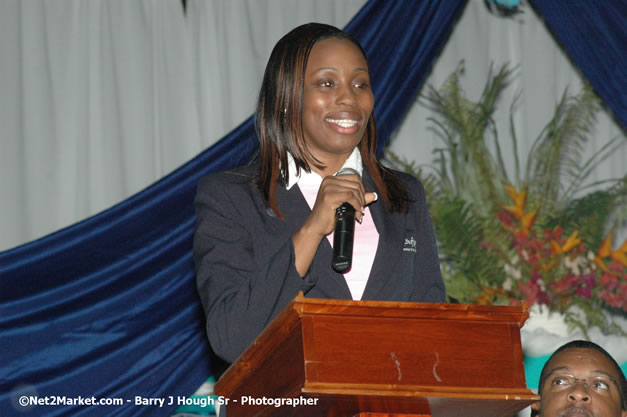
(244, 256)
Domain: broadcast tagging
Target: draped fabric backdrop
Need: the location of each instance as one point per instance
(599, 38)
(99, 99)
(544, 71)
(107, 308)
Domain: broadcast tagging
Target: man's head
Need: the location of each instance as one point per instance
(581, 380)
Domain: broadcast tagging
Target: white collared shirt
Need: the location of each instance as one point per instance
(366, 235)
(353, 162)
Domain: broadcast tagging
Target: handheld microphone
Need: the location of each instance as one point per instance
(344, 232)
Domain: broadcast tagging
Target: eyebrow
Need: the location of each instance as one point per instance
(358, 69)
(559, 368)
(566, 368)
(601, 371)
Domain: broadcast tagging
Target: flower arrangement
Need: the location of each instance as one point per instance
(560, 270)
(545, 237)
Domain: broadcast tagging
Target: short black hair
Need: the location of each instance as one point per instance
(585, 344)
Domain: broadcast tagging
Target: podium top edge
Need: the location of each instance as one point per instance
(303, 305)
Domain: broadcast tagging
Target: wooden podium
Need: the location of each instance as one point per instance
(383, 359)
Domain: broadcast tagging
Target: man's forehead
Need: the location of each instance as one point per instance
(582, 359)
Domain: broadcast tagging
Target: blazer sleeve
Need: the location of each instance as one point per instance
(428, 283)
(241, 290)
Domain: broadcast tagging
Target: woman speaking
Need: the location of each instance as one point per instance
(264, 231)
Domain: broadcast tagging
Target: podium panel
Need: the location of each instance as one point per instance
(342, 358)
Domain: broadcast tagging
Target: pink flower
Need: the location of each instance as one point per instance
(614, 300)
(609, 281)
(564, 285)
(585, 292)
(590, 280)
(530, 291)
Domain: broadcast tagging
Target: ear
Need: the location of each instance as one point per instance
(536, 407)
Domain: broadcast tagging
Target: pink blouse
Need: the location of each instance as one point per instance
(366, 235)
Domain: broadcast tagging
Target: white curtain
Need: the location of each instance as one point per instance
(100, 98)
(95, 105)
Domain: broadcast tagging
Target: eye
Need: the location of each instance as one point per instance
(362, 85)
(599, 384)
(326, 83)
(561, 381)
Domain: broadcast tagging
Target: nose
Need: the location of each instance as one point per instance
(579, 392)
(345, 95)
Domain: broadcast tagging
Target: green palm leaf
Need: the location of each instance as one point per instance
(465, 191)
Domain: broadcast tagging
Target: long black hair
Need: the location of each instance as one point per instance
(278, 119)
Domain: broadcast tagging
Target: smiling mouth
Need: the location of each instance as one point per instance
(345, 123)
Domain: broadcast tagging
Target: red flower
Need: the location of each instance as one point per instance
(530, 291)
(609, 281)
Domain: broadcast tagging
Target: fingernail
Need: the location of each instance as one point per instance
(376, 196)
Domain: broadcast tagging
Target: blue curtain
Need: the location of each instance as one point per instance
(108, 308)
(594, 33)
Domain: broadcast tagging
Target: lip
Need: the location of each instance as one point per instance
(343, 130)
(344, 116)
(338, 115)
(576, 412)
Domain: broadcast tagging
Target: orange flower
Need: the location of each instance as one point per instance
(571, 242)
(620, 254)
(605, 250)
(488, 295)
(527, 219)
(606, 246)
(552, 264)
(519, 199)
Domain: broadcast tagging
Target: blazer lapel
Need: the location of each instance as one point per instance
(390, 247)
(296, 209)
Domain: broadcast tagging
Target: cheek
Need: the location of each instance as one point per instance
(366, 103)
(314, 104)
(549, 403)
(312, 110)
(610, 407)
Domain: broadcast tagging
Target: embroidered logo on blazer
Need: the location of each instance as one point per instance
(409, 245)
(270, 212)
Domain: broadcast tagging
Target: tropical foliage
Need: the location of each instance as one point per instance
(535, 231)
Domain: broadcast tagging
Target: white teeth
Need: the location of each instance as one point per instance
(343, 123)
